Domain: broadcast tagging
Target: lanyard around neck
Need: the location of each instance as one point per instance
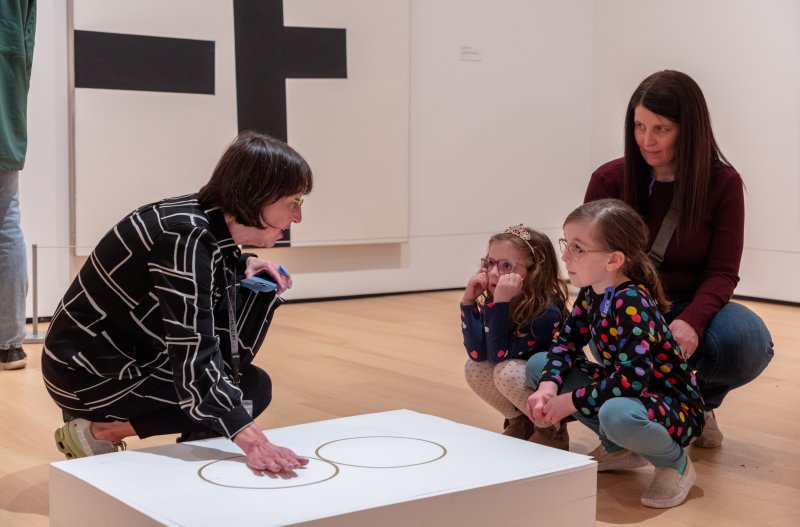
(230, 286)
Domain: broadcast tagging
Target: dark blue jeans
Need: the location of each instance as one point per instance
(734, 350)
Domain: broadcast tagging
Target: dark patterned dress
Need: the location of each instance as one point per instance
(145, 325)
(639, 358)
(488, 336)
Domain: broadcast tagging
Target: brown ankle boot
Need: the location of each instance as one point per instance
(711, 436)
(554, 437)
(520, 427)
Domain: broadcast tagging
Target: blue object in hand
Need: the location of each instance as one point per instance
(259, 284)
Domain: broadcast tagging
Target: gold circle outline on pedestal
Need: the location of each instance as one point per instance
(320, 456)
(200, 474)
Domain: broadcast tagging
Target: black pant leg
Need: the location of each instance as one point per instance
(255, 385)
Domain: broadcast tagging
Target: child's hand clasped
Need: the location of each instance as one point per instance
(557, 408)
(538, 399)
(508, 287)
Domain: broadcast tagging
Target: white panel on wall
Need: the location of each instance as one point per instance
(354, 131)
(501, 106)
(133, 147)
(44, 182)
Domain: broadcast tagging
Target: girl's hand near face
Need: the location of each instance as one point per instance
(508, 286)
(476, 285)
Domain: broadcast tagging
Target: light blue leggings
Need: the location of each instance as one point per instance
(621, 423)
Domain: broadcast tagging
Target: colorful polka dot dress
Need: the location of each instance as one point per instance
(638, 357)
(488, 335)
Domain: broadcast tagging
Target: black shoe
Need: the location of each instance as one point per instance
(13, 358)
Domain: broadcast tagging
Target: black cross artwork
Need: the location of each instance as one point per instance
(267, 53)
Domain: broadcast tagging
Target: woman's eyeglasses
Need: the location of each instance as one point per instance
(574, 249)
(503, 266)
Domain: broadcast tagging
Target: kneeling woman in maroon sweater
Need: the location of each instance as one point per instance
(671, 156)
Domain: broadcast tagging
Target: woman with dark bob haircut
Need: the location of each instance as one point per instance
(157, 333)
(672, 161)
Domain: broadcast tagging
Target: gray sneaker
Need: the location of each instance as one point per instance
(13, 358)
(669, 488)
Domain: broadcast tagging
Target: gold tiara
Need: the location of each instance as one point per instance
(519, 230)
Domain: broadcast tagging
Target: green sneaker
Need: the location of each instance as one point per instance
(75, 439)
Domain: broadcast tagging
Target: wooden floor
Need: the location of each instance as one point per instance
(333, 359)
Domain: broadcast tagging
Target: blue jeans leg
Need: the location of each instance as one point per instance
(574, 379)
(734, 350)
(13, 264)
(624, 421)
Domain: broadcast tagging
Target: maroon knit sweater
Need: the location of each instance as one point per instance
(700, 266)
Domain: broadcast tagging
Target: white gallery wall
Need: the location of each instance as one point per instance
(44, 182)
(745, 56)
(512, 104)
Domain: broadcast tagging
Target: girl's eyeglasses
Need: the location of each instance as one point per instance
(574, 250)
(503, 266)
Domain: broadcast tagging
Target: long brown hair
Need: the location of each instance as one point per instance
(542, 286)
(617, 227)
(677, 97)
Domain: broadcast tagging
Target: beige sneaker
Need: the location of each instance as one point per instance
(669, 488)
(711, 437)
(620, 460)
(552, 436)
(520, 427)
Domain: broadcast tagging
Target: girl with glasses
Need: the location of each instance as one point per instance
(510, 309)
(640, 396)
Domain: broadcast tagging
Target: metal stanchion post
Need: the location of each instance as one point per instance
(34, 337)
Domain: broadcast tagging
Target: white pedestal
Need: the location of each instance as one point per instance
(393, 468)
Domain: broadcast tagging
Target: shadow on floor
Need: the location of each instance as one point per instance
(26, 491)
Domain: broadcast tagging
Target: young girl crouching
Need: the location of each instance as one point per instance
(510, 309)
(640, 396)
